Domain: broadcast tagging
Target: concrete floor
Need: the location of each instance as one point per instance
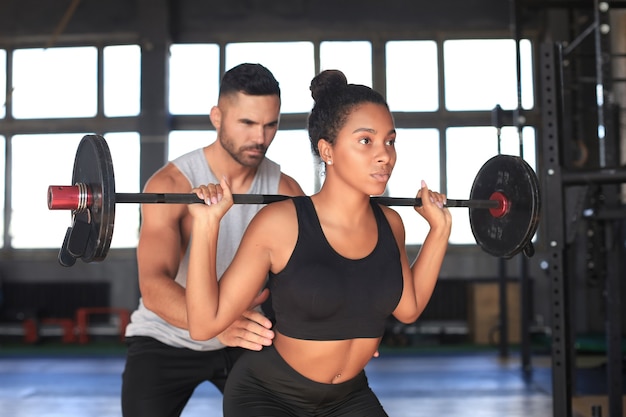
(408, 385)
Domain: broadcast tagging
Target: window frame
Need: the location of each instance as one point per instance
(440, 120)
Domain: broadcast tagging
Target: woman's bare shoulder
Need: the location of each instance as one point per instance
(395, 221)
(276, 214)
(275, 228)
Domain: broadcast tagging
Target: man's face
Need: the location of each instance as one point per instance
(247, 126)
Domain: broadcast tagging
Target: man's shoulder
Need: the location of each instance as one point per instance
(286, 184)
(269, 163)
(167, 179)
(289, 186)
(187, 156)
(268, 169)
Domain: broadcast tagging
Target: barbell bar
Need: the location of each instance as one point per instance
(79, 197)
(503, 206)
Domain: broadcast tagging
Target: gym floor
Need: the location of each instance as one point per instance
(49, 383)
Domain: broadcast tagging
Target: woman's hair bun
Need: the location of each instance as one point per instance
(327, 82)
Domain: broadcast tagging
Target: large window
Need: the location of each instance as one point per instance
(426, 83)
(62, 83)
(479, 74)
(412, 76)
(354, 59)
(55, 83)
(194, 78)
(122, 80)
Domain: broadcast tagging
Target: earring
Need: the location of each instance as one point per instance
(329, 162)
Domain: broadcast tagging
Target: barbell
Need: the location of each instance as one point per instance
(503, 207)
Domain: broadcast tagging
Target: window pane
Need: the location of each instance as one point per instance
(2, 181)
(526, 71)
(122, 80)
(55, 83)
(194, 78)
(354, 59)
(32, 224)
(3, 82)
(291, 63)
(418, 159)
(182, 141)
(479, 74)
(412, 75)
(292, 150)
(482, 144)
(125, 148)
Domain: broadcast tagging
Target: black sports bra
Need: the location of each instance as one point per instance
(321, 295)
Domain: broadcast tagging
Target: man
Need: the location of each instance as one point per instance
(164, 365)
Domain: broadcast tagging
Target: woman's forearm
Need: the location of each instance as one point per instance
(202, 293)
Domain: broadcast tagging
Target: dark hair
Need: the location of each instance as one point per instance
(334, 101)
(251, 79)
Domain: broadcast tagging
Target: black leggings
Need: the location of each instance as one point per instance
(263, 384)
(158, 379)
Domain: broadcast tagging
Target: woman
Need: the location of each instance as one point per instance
(337, 267)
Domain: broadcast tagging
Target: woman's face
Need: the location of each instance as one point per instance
(364, 152)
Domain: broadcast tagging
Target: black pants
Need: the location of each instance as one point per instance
(158, 379)
(263, 384)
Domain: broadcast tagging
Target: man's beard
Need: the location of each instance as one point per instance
(239, 154)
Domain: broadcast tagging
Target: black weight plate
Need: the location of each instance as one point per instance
(93, 167)
(507, 235)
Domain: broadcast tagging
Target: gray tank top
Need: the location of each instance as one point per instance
(194, 166)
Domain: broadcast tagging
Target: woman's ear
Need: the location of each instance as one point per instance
(325, 150)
